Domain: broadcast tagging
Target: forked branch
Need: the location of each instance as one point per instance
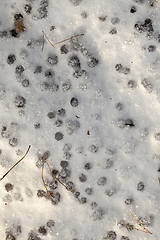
(44, 160)
(146, 230)
(53, 44)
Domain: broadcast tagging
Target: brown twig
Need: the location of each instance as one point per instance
(141, 224)
(136, 228)
(53, 44)
(16, 163)
(44, 181)
(43, 41)
(146, 230)
(69, 38)
(47, 40)
(55, 176)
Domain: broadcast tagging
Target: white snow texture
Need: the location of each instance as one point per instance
(90, 106)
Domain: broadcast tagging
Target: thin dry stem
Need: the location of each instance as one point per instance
(69, 38)
(16, 163)
(141, 224)
(44, 181)
(47, 40)
(53, 44)
(55, 176)
(136, 228)
(43, 41)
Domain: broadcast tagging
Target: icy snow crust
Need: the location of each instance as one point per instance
(90, 107)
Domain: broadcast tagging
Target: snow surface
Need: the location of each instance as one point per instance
(106, 143)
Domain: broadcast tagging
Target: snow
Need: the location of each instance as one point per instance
(90, 107)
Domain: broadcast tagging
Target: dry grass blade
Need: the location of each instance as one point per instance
(136, 228)
(16, 163)
(44, 181)
(53, 44)
(43, 41)
(47, 40)
(146, 230)
(69, 38)
(141, 224)
(55, 176)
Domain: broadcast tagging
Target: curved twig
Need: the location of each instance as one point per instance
(16, 163)
(55, 176)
